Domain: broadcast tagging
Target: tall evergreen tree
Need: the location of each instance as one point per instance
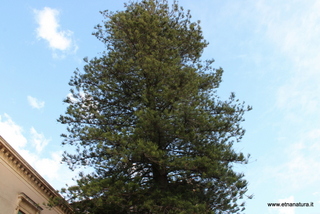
(146, 117)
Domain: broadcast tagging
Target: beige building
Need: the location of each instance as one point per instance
(22, 189)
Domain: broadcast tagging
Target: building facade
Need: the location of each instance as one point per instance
(22, 189)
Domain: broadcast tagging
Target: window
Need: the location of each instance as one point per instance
(27, 206)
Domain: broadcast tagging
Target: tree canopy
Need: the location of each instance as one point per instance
(146, 117)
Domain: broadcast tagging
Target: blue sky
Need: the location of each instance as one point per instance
(270, 51)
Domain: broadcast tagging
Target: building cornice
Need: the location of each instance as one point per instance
(18, 163)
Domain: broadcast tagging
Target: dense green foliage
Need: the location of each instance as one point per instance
(146, 117)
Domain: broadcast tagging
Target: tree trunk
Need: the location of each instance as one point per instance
(160, 176)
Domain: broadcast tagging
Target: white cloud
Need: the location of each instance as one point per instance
(11, 132)
(49, 30)
(50, 166)
(38, 140)
(35, 103)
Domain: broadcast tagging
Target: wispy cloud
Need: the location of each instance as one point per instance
(38, 140)
(56, 170)
(300, 170)
(294, 30)
(49, 30)
(35, 103)
(50, 166)
(12, 132)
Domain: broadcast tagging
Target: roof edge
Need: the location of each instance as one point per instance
(13, 158)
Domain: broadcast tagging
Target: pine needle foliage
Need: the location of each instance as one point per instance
(146, 117)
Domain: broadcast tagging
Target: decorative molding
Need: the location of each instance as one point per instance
(25, 201)
(21, 166)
